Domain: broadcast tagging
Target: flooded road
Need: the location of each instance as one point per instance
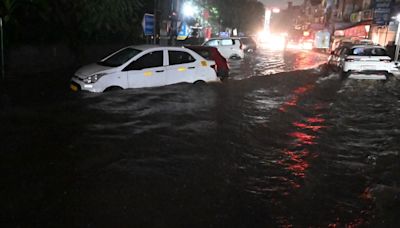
(282, 143)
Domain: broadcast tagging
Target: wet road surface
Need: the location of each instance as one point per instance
(281, 143)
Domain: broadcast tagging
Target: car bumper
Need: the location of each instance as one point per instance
(78, 85)
(365, 67)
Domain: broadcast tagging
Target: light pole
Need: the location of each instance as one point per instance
(155, 22)
(396, 54)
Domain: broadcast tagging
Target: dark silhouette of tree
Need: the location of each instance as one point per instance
(247, 16)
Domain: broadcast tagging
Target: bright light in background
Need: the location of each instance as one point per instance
(189, 10)
(271, 41)
(276, 10)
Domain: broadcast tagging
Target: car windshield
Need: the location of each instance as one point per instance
(120, 57)
(368, 51)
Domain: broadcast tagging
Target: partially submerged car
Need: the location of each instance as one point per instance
(212, 53)
(144, 66)
(362, 59)
(230, 48)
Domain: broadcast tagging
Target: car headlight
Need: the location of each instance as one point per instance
(93, 78)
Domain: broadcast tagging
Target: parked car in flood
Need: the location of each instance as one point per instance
(249, 45)
(212, 53)
(230, 48)
(144, 66)
(362, 59)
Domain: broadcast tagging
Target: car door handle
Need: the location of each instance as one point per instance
(159, 71)
(191, 67)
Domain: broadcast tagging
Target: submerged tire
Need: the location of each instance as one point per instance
(113, 88)
(199, 83)
(343, 74)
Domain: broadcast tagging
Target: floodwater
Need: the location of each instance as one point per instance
(282, 143)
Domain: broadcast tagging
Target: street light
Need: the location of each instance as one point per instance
(189, 10)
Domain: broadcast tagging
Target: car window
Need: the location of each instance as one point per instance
(149, 60)
(227, 42)
(368, 51)
(212, 43)
(120, 57)
(180, 57)
(204, 53)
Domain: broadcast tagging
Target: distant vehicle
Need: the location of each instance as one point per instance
(212, 53)
(230, 48)
(339, 42)
(365, 59)
(337, 54)
(364, 42)
(249, 45)
(144, 66)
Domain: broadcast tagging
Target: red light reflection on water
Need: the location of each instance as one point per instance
(296, 160)
(315, 120)
(303, 138)
(305, 61)
(294, 100)
(296, 163)
(306, 126)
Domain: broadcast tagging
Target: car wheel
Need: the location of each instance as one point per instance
(112, 88)
(343, 74)
(199, 82)
(388, 75)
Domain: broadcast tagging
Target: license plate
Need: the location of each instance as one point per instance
(368, 67)
(73, 87)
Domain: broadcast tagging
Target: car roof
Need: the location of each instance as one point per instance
(200, 47)
(145, 47)
(366, 46)
(224, 38)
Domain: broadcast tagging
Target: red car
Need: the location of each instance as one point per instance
(212, 53)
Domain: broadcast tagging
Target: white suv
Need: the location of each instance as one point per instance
(228, 47)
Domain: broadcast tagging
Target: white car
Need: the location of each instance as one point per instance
(364, 59)
(228, 47)
(144, 66)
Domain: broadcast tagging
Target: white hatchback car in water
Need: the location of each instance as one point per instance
(144, 66)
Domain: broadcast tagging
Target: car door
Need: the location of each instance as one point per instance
(226, 48)
(181, 67)
(147, 71)
(218, 44)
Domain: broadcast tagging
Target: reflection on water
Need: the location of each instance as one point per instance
(299, 149)
(267, 62)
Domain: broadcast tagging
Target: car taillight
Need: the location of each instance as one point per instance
(349, 59)
(241, 46)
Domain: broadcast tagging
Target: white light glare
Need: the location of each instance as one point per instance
(189, 10)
